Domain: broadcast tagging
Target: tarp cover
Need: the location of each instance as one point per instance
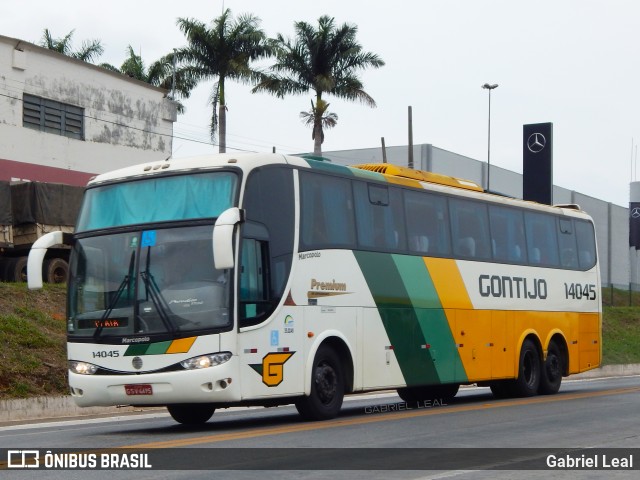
(48, 203)
(5, 204)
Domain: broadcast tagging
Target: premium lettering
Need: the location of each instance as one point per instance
(333, 286)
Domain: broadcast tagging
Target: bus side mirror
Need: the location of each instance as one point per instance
(36, 257)
(223, 237)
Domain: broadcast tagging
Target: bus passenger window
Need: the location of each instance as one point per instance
(568, 257)
(585, 236)
(542, 239)
(379, 217)
(427, 229)
(327, 212)
(507, 234)
(470, 229)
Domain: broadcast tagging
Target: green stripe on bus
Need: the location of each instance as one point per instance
(140, 349)
(398, 317)
(329, 167)
(431, 317)
(158, 348)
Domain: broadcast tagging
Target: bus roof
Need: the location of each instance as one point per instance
(370, 171)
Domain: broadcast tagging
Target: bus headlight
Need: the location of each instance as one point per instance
(82, 368)
(206, 361)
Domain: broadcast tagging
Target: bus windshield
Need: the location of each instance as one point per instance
(160, 199)
(148, 282)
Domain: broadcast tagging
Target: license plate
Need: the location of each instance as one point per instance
(138, 389)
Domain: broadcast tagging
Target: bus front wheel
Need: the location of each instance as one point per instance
(327, 387)
(191, 414)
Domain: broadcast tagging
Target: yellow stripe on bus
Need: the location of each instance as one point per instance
(448, 282)
(182, 345)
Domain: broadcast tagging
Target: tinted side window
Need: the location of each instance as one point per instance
(427, 223)
(567, 239)
(379, 216)
(326, 212)
(542, 239)
(507, 234)
(469, 229)
(586, 244)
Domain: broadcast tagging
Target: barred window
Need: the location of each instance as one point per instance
(52, 116)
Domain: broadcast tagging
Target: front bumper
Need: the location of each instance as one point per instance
(218, 384)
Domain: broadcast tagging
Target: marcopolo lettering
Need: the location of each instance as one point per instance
(502, 286)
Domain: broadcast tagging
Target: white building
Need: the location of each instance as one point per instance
(64, 120)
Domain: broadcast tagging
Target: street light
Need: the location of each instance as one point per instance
(489, 87)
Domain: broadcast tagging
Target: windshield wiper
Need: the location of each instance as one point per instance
(114, 301)
(153, 291)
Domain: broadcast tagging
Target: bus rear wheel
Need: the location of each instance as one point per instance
(191, 414)
(327, 387)
(529, 371)
(553, 367)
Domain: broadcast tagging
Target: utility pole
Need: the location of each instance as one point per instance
(489, 87)
(410, 139)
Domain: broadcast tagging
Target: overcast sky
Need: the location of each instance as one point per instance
(575, 63)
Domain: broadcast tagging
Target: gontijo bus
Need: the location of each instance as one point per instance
(259, 279)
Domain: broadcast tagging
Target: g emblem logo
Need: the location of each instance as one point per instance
(272, 367)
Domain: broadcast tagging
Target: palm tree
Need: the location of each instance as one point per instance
(225, 51)
(160, 74)
(319, 110)
(90, 50)
(325, 61)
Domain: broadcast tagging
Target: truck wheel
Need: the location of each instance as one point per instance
(18, 270)
(552, 369)
(55, 270)
(191, 414)
(4, 268)
(327, 387)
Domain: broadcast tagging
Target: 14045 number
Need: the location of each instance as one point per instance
(577, 291)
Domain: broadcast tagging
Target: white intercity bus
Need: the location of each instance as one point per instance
(263, 279)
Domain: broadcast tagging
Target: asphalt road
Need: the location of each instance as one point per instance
(373, 432)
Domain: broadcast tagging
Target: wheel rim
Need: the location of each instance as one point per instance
(553, 367)
(59, 275)
(326, 382)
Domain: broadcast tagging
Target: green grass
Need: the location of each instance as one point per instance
(32, 339)
(621, 335)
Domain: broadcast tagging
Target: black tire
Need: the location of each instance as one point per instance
(4, 269)
(18, 270)
(529, 371)
(432, 392)
(552, 371)
(55, 270)
(191, 413)
(501, 388)
(327, 387)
